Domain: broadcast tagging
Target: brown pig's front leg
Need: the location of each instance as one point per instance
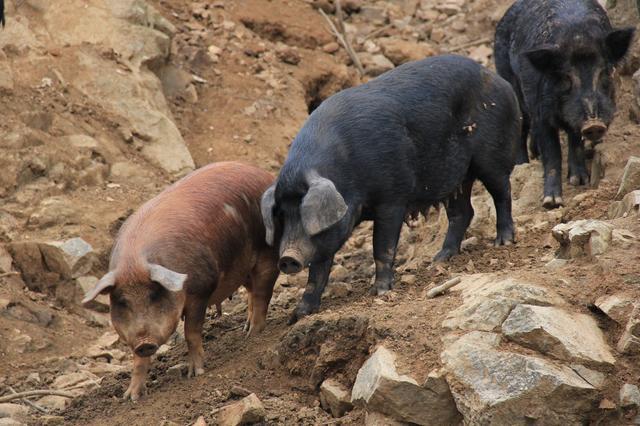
(137, 387)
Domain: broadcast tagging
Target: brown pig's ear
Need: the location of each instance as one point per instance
(267, 204)
(322, 207)
(105, 283)
(171, 280)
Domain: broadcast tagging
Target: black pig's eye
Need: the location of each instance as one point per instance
(565, 83)
(155, 295)
(120, 303)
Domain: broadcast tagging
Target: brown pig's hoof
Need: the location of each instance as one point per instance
(134, 392)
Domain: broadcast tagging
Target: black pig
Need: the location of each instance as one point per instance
(413, 137)
(559, 55)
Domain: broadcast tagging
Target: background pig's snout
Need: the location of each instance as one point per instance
(290, 262)
(594, 130)
(146, 349)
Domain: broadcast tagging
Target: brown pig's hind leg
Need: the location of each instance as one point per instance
(193, 322)
(263, 278)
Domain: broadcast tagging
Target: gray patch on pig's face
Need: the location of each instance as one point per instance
(267, 204)
(295, 238)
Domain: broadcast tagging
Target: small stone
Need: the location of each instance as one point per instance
(54, 402)
(469, 243)
(582, 238)
(8, 421)
(556, 264)
(339, 273)
(375, 65)
(200, 422)
(334, 398)
(332, 47)
(628, 344)
(239, 391)
(629, 396)
(630, 178)
(630, 205)
(607, 404)
(177, 370)
(408, 279)
(340, 289)
(14, 411)
(246, 411)
(618, 307)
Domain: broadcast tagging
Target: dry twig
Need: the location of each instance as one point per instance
(39, 392)
(443, 287)
(470, 44)
(342, 37)
(30, 403)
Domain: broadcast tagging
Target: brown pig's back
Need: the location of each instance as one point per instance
(208, 217)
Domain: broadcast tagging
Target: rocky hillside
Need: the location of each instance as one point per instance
(105, 103)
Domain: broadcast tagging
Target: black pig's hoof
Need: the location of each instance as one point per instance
(444, 255)
(552, 202)
(579, 179)
(505, 238)
(300, 312)
(381, 288)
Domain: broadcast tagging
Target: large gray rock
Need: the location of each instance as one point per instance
(135, 33)
(630, 204)
(629, 342)
(488, 300)
(582, 238)
(617, 306)
(380, 388)
(46, 264)
(630, 178)
(491, 386)
(334, 398)
(568, 336)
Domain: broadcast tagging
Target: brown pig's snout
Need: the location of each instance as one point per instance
(146, 349)
(291, 262)
(594, 130)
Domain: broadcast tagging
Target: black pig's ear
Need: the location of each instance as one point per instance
(106, 283)
(267, 204)
(618, 42)
(545, 59)
(322, 207)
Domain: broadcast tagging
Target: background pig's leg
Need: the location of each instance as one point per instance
(247, 325)
(578, 174)
(386, 232)
(318, 277)
(459, 213)
(263, 278)
(548, 142)
(194, 319)
(500, 189)
(522, 155)
(137, 386)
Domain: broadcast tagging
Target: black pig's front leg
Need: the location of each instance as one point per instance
(318, 278)
(546, 139)
(386, 232)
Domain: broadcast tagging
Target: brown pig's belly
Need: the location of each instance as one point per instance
(231, 280)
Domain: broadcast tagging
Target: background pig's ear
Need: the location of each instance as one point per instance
(266, 207)
(545, 59)
(105, 283)
(322, 207)
(171, 280)
(618, 42)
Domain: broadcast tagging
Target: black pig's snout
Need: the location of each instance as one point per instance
(594, 130)
(146, 349)
(289, 265)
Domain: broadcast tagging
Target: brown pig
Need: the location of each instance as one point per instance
(188, 248)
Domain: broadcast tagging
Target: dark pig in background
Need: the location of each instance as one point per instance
(560, 55)
(188, 248)
(412, 138)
